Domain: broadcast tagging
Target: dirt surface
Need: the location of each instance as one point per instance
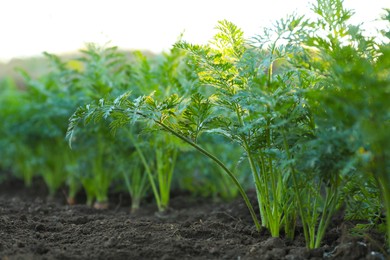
(31, 227)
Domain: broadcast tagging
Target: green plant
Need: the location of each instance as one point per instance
(363, 199)
(326, 163)
(345, 63)
(37, 129)
(260, 94)
(353, 95)
(321, 149)
(99, 71)
(162, 76)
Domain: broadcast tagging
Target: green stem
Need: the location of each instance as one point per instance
(255, 173)
(165, 170)
(170, 170)
(101, 177)
(135, 204)
(135, 188)
(269, 178)
(263, 190)
(327, 213)
(149, 173)
(159, 167)
(297, 192)
(259, 187)
(312, 219)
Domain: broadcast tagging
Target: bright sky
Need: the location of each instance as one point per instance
(29, 27)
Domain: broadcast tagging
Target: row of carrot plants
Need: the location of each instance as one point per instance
(300, 113)
(35, 119)
(305, 101)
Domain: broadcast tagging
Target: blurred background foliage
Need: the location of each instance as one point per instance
(38, 97)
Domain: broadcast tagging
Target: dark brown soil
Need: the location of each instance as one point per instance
(32, 227)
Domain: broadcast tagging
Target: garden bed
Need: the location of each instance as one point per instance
(31, 227)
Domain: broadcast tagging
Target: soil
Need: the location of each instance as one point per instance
(33, 227)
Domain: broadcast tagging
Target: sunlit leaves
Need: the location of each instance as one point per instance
(196, 116)
(229, 41)
(216, 62)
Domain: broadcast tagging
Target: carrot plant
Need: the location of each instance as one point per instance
(134, 166)
(43, 129)
(334, 56)
(136, 182)
(34, 130)
(100, 71)
(158, 154)
(352, 98)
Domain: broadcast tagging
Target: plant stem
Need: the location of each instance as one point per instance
(327, 212)
(258, 184)
(262, 189)
(297, 192)
(259, 188)
(165, 164)
(149, 173)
